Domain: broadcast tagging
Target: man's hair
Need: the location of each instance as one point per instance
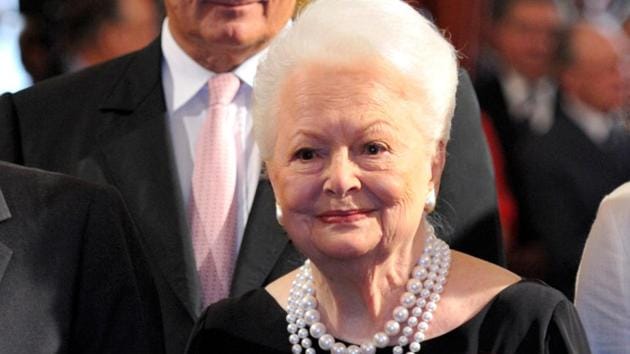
(350, 32)
(500, 9)
(80, 20)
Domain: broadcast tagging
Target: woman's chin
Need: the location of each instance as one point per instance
(346, 249)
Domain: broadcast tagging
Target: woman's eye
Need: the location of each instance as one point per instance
(305, 154)
(374, 148)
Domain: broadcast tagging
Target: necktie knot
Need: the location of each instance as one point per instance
(223, 88)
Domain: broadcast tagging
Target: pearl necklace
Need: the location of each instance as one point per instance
(416, 309)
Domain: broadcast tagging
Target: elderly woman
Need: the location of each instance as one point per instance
(353, 109)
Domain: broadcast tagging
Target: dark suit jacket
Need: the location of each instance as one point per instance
(566, 176)
(108, 124)
(71, 273)
(510, 133)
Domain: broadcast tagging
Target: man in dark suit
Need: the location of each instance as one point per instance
(585, 155)
(131, 122)
(72, 277)
(517, 94)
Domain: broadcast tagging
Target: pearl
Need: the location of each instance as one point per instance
(306, 343)
(414, 286)
(420, 303)
(397, 350)
(296, 349)
(424, 260)
(300, 323)
(427, 316)
(400, 314)
(294, 339)
(339, 348)
(423, 326)
(317, 330)
(292, 328)
(408, 299)
(403, 340)
(310, 351)
(368, 348)
(419, 273)
(392, 328)
(381, 340)
(407, 331)
(311, 316)
(302, 333)
(326, 341)
(414, 347)
(412, 321)
(431, 306)
(419, 337)
(353, 349)
(309, 302)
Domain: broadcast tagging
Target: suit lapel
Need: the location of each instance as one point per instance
(5, 252)
(137, 158)
(262, 245)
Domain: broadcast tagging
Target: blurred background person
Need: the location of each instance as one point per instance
(517, 93)
(602, 294)
(67, 35)
(94, 31)
(39, 48)
(584, 156)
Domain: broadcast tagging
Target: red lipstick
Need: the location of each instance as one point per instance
(343, 216)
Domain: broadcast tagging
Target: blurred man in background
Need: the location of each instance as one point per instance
(517, 94)
(67, 35)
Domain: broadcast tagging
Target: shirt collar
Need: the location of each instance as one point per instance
(186, 77)
(595, 124)
(518, 87)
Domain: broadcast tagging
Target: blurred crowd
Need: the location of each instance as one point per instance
(553, 85)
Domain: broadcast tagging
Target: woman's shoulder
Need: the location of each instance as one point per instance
(251, 321)
(488, 284)
(507, 314)
(234, 313)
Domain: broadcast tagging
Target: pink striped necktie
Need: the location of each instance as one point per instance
(213, 201)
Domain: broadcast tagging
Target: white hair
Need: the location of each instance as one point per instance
(349, 31)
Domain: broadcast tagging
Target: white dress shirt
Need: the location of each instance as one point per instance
(185, 86)
(595, 124)
(602, 293)
(532, 101)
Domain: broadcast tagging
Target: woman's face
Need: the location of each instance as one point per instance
(351, 167)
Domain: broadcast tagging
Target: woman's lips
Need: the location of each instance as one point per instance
(343, 216)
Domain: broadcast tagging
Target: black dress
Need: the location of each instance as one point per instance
(526, 317)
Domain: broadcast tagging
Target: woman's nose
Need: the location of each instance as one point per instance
(342, 176)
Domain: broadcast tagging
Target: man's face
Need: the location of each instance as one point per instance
(232, 30)
(596, 74)
(526, 37)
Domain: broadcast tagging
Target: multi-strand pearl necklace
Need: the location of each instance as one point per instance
(410, 320)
